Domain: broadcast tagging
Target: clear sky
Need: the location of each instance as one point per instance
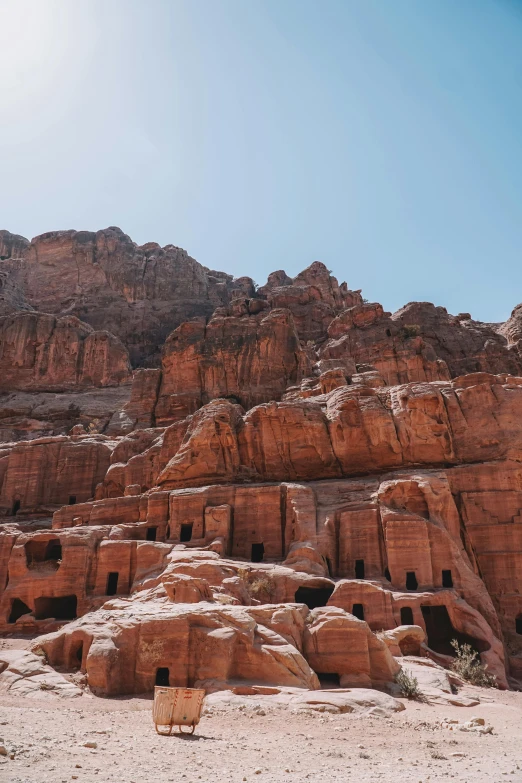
(383, 137)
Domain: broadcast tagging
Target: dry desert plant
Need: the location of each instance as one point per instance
(467, 665)
(408, 685)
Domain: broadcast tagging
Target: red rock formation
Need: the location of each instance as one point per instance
(250, 359)
(28, 415)
(137, 293)
(303, 471)
(351, 430)
(420, 342)
(12, 246)
(12, 295)
(314, 297)
(53, 471)
(46, 353)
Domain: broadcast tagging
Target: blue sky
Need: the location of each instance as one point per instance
(383, 137)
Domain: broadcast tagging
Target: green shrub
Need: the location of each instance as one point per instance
(410, 330)
(261, 586)
(408, 685)
(468, 666)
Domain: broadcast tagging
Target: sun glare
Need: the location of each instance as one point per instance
(34, 47)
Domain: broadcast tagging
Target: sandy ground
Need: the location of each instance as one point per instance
(48, 739)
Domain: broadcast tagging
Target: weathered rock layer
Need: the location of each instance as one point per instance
(295, 472)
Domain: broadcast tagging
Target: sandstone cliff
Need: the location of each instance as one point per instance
(297, 471)
(137, 293)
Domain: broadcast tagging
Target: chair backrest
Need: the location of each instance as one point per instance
(177, 706)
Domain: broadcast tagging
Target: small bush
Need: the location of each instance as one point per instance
(410, 330)
(408, 685)
(467, 665)
(41, 653)
(261, 585)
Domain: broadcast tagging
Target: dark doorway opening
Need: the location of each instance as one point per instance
(79, 654)
(53, 550)
(406, 615)
(440, 632)
(163, 676)
(72, 500)
(185, 533)
(387, 574)
(313, 596)
(233, 398)
(63, 608)
(43, 551)
(447, 579)
(359, 569)
(518, 624)
(257, 553)
(18, 609)
(411, 581)
(112, 583)
(151, 533)
(329, 680)
(358, 611)
(16, 508)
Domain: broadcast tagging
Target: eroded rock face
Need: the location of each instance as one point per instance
(41, 352)
(199, 645)
(308, 488)
(314, 297)
(349, 431)
(420, 342)
(24, 674)
(249, 359)
(75, 464)
(137, 293)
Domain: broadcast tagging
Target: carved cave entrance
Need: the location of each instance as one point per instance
(411, 581)
(63, 608)
(76, 655)
(518, 624)
(407, 615)
(447, 579)
(313, 596)
(18, 609)
(185, 533)
(49, 551)
(163, 676)
(16, 508)
(358, 611)
(151, 533)
(359, 569)
(328, 680)
(440, 632)
(112, 583)
(257, 553)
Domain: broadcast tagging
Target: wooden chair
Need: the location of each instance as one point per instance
(177, 707)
